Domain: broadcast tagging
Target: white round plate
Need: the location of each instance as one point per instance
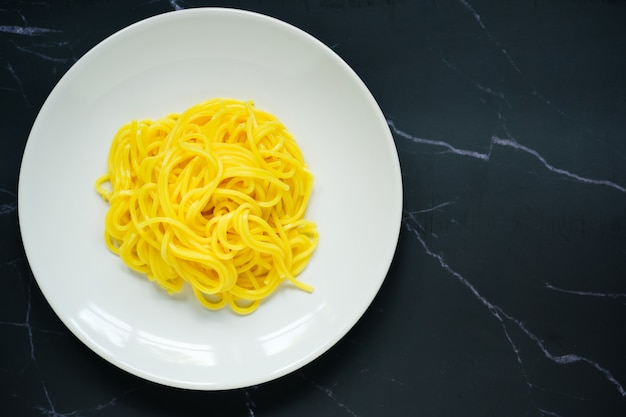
(165, 64)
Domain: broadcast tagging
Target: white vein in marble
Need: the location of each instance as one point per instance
(45, 57)
(175, 5)
(568, 358)
(330, 394)
(250, 404)
(27, 30)
(26, 324)
(585, 293)
(490, 91)
(548, 413)
(504, 142)
(11, 206)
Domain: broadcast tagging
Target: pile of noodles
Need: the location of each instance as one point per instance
(214, 197)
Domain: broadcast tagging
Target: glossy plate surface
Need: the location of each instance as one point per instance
(165, 64)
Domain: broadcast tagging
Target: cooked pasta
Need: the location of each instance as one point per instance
(214, 197)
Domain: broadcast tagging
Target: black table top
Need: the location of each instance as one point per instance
(507, 294)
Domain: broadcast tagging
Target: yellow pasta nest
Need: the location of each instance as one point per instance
(214, 197)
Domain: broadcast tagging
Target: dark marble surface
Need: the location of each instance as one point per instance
(507, 296)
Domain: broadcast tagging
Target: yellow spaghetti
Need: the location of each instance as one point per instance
(214, 197)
